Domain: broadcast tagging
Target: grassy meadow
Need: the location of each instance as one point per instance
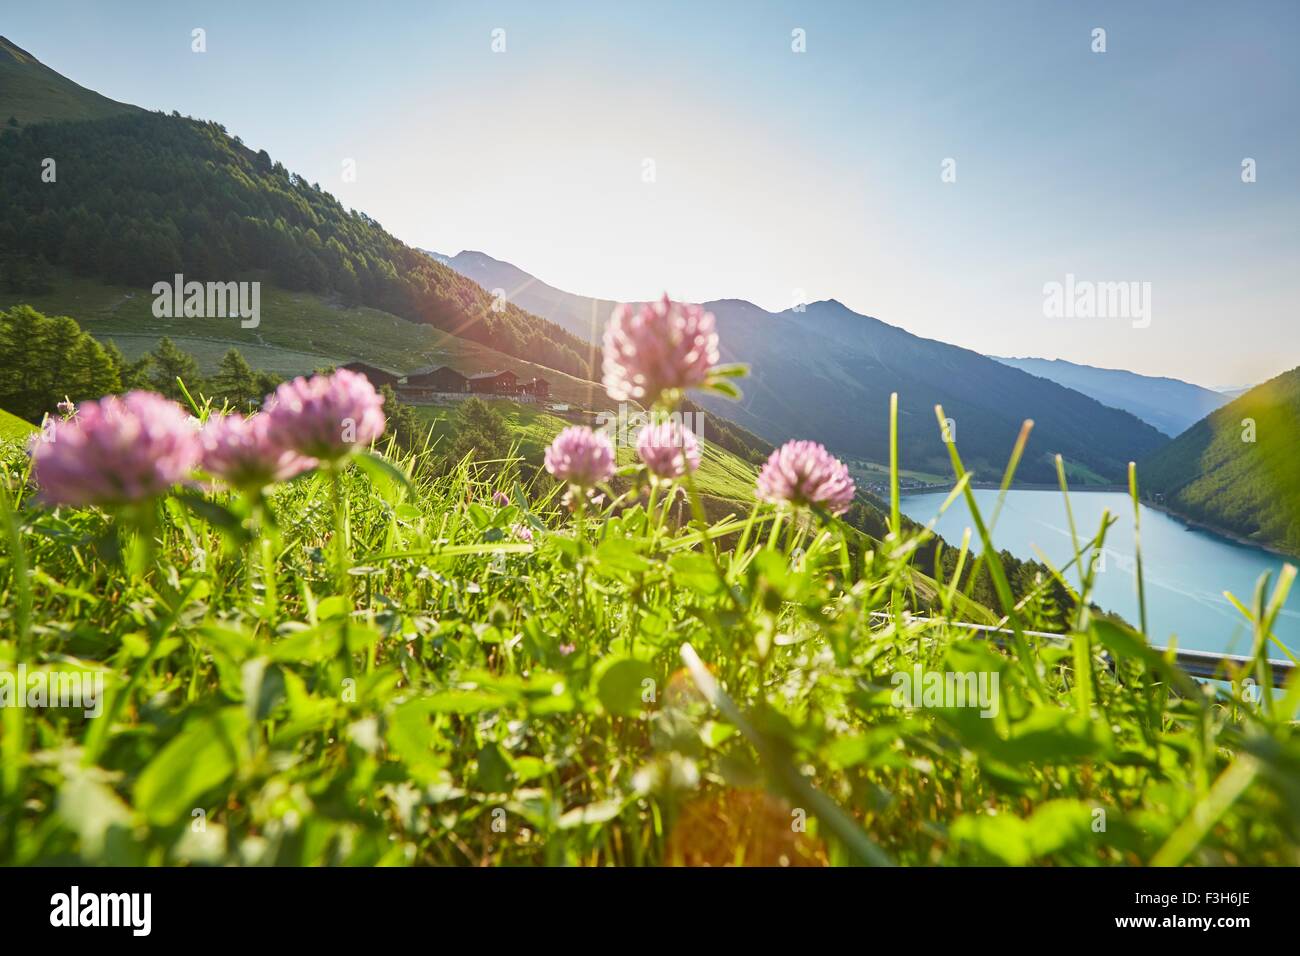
(429, 677)
(13, 428)
(298, 332)
(33, 93)
(723, 477)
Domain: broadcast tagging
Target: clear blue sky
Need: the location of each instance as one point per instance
(778, 171)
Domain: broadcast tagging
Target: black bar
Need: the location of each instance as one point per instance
(491, 907)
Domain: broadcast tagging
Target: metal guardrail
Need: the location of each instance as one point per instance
(1203, 664)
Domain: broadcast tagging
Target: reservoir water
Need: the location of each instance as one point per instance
(1185, 570)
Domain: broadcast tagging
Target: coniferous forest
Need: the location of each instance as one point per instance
(143, 196)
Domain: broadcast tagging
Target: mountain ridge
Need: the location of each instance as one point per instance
(1169, 404)
(856, 360)
(158, 194)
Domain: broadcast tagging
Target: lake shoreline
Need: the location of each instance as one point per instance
(1018, 486)
(1224, 533)
(1190, 523)
(1186, 566)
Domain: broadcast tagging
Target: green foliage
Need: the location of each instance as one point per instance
(130, 375)
(1237, 469)
(610, 692)
(168, 364)
(46, 359)
(156, 195)
(403, 423)
(481, 435)
(28, 276)
(299, 332)
(236, 382)
(31, 92)
(13, 428)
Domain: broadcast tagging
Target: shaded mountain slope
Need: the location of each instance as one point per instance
(1238, 470)
(1169, 404)
(826, 373)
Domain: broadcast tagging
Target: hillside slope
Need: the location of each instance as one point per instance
(722, 476)
(141, 197)
(578, 314)
(299, 332)
(30, 92)
(726, 484)
(1169, 404)
(13, 428)
(827, 373)
(1237, 470)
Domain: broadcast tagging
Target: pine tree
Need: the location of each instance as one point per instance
(265, 384)
(480, 433)
(91, 373)
(46, 359)
(236, 381)
(169, 364)
(130, 375)
(20, 328)
(403, 424)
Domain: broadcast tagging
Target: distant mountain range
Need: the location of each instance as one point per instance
(1170, 405)
(826, 373)
(1238, 469)
(1232, 391)
(581, 315)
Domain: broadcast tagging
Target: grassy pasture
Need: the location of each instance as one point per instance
(393, 673)
(297, 333)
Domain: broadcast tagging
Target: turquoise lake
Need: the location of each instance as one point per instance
(1186, 571)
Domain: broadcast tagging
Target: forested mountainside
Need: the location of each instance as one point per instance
(136, 197)
(1238, 469)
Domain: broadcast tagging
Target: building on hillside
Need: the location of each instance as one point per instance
(378, 377)
(535, 390)
(494, 383)
(425, 383)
